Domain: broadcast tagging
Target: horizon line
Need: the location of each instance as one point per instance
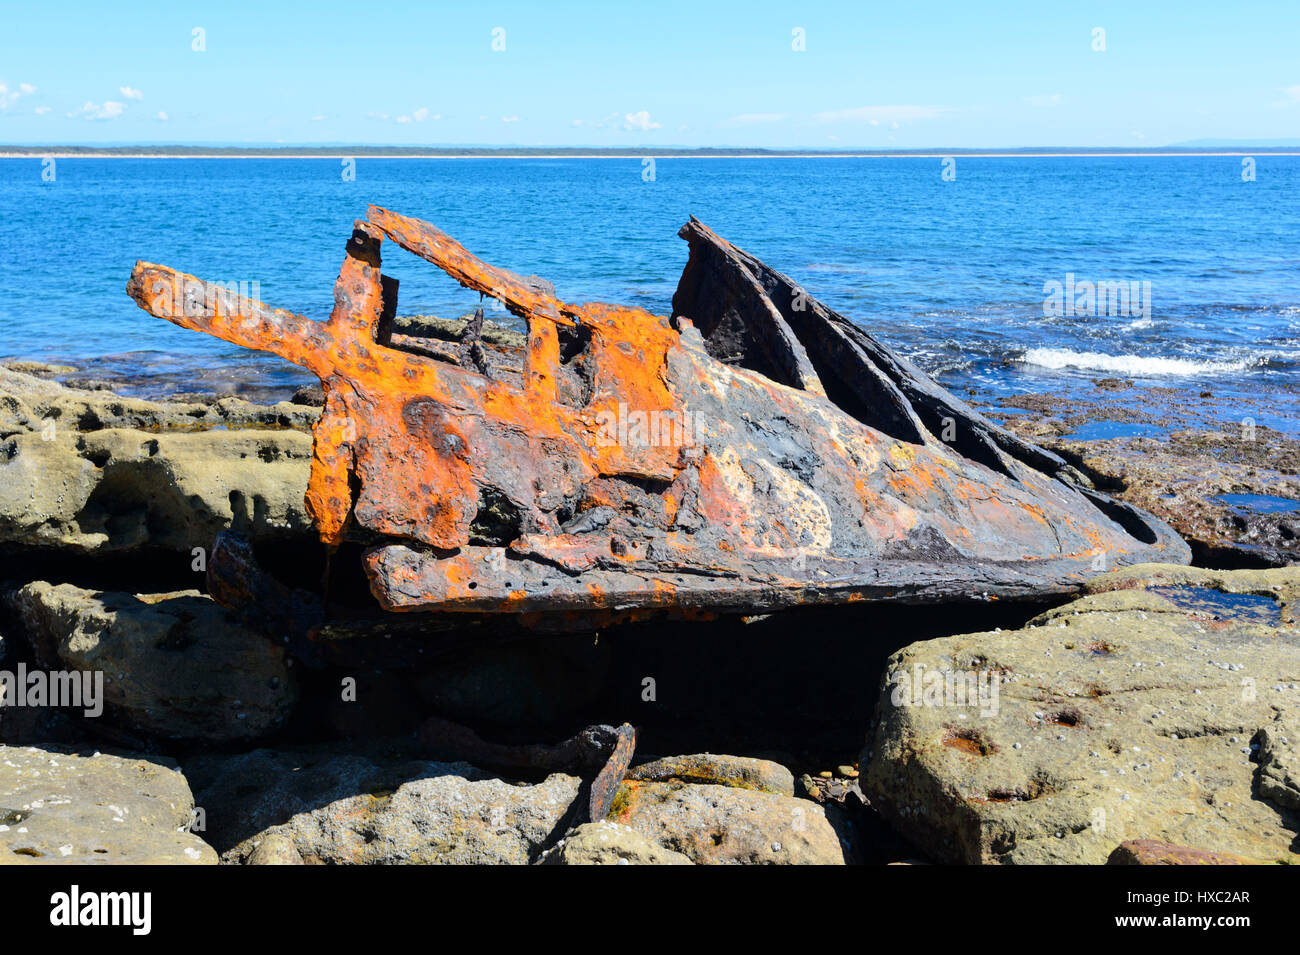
(354, 150)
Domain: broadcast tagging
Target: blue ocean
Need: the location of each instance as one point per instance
(982, 276)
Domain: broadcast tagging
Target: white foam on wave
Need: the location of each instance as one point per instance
(1138, 365)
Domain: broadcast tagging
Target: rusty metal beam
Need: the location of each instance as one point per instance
(523, 298)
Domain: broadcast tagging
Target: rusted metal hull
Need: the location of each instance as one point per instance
(755, 451)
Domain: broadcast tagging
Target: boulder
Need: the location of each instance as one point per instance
(760, 775)
(86, 808)
(1154, 707)
(372, 809)
(274, 848)
(608, 843)
(175, 665)
(712, 824)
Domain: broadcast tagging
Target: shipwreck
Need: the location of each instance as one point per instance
(752, 451)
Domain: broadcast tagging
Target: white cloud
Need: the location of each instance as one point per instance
(1292, 93)
(1055, 99)
(752, 119)
(163, 117)
(130, 93)
(8, 97)
(509, 119)
(110, 109)
(576, 122)
(415, 116)
(639, 121)
(319, 119)
(42, 110)
(893, 114)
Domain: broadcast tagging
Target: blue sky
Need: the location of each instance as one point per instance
(871, 75)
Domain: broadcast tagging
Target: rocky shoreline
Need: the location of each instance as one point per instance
(1225, 476)
(1152, 716)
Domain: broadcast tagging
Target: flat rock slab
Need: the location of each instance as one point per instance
(58, 807)
(713, 825)
(266, 806)
(94, 472)
(1229, 486)
(175, 665)
(1231, 496)
(1156, 707)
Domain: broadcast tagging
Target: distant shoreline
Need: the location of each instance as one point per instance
(370, 152)
(644, 155)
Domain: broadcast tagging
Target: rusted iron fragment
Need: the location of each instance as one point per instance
(604, 750)
(757, 451)
(605, 786)
(866, 378)
(238, 583)
(594, 749)
(733, 288)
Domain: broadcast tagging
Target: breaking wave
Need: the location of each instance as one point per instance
(1136, 365)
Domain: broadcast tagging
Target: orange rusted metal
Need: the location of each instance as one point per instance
(625, 464)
